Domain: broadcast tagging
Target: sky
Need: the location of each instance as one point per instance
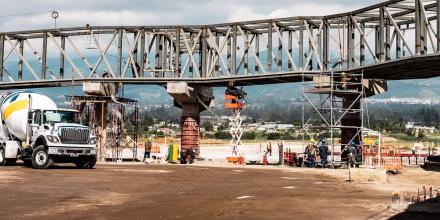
(159, 12)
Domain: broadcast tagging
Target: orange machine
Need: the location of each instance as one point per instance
(234, 98)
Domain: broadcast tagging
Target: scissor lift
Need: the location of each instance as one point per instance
(234, 100)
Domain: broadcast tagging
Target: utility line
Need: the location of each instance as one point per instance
(25, 14)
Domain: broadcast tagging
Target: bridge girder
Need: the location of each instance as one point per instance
(379, 40)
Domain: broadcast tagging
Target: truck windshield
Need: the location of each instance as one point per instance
(59, 117)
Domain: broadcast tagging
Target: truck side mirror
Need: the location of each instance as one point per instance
(30, 118)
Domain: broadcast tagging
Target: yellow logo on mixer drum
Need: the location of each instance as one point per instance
(15, 106)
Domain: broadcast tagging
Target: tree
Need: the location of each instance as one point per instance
(146, 122)
(249, 135)
(223, 126)
(222, 135)
(273, 136)
(207, 125)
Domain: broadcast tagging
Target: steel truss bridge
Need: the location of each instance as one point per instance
(397, 39)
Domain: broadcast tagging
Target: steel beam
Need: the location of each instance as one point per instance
(362, 45)
(234, 50)
(350, 43)
(437, 12)
(2, 56)
(63, 47)
(381, 34)
(204, 53)
(142, 54)
(326, 44)
(257, 52)
(20, 62)
(177, 54)
(44, 57)
(119, 54)
(269, 47)
(301, 45)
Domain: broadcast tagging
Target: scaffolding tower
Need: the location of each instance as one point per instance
(114, 120)
(332, 110)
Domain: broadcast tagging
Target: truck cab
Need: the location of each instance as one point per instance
(58, 136)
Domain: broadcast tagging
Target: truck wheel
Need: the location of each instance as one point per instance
(2, 156)
(86, 163)
(40, 158)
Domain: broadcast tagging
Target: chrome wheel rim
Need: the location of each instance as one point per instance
(41, 158)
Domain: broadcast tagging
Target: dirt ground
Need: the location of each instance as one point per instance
(139, 191)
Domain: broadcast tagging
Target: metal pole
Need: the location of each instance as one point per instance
(280, 52)
(20, 62)
(44, 57)
(289, 48)
(204, 53)
(398, 46)
(381, 34)
(269, 46)
(350, 43)
(438, 24)
(228, 53)
(301, 44)
(119, 62)
(234, 50)
(63, 47)
(362, 45)
(326, 46)
(142, 54)
(246, 54)
(257, 52)
(380, 150)
(177, 54)
(331, 116)
(2, 55)
(387, 39)
(418, 29)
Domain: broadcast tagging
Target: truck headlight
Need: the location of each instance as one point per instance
(53, 139)
(93, 140)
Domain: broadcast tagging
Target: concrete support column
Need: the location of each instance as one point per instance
(190, 131)
(192, 100)
(351, 122)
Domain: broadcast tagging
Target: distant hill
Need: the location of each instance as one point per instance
(148, 94)
(287, 92)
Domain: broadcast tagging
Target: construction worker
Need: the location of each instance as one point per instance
(311, 155)
(269, 148)
(344, 80)
(351, 153)
(323, 153)
(147, 149)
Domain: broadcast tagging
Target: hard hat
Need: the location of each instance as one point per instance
(312, 140)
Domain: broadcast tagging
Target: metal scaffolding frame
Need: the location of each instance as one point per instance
(329, 99)
(373, 39)
(114, 121)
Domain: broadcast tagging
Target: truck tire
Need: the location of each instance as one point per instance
(86, 163)
(40, 158)
(2, 156)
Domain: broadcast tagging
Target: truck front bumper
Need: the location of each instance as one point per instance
(71, 151)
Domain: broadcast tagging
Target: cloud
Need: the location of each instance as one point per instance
(161, 12)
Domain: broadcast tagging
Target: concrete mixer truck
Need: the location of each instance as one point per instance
(35, 131)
